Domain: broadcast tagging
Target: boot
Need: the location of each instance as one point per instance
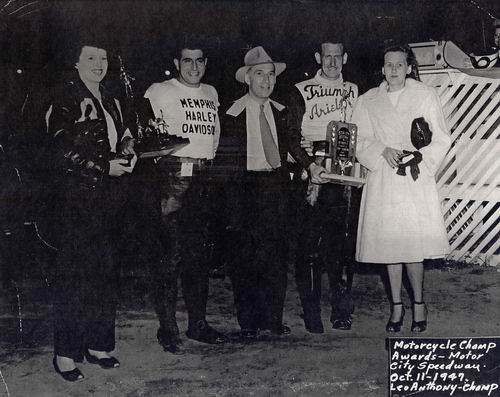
(168, 338)
(312, 320)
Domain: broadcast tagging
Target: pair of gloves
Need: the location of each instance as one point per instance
(412, 163)
(421, 136)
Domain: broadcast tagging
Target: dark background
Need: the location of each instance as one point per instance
(35, 37)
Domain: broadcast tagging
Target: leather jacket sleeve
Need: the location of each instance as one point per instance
(296, 110)
(80, 149)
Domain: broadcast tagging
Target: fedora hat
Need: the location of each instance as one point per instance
(258, 56)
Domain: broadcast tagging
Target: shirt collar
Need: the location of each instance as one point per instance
(241, 104)
(323, 81)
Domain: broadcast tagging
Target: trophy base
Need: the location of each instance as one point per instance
(345, 179)
(157, 153)
(152, 148)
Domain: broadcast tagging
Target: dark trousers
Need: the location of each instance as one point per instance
(152, 238)
(195, 218)
(12, 247)
(86, 282)
(258, 269)
(187, 211)
(326, 244)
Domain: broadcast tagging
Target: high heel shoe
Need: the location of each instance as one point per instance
(395, 326)
(419, 326)
(70, 376)
(105, 363)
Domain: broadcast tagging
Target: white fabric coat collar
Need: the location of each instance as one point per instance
(240, 104)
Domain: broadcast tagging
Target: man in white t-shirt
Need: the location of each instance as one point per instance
(189, 109)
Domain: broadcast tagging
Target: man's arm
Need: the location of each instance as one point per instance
(294, 121)
(296, 110)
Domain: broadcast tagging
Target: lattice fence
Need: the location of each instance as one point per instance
(469, 179)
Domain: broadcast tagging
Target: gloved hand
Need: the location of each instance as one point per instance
(412, 163)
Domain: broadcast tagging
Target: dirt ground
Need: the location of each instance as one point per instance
(462, 300)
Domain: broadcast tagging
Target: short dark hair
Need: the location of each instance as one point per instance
(411, 59)
(332, 42)
(190, 42)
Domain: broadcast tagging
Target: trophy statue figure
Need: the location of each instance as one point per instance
(153, 139)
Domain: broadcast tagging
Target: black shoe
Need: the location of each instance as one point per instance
(202, 332)
(281, 329)
(419, 326)
(395, 326)
(71, 376)
(343, 324)
(169, 340)
(313, 324)
(105, 363)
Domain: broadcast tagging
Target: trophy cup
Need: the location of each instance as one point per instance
(340, 152)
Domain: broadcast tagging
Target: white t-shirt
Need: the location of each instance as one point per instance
(189, 112)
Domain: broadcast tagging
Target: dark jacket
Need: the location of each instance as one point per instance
(233, 142)
(296, 109)
(231, 158)
(79, 150)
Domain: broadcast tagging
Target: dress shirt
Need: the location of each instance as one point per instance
(256, 158)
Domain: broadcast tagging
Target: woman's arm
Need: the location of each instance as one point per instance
(369, 150)
(78, 148)
(434, 153)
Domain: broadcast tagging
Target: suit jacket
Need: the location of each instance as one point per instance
(231, 159)
(233, 145)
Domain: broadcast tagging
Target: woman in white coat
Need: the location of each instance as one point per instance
(400, 218)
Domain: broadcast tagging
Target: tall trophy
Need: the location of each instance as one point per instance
(339, 152)
(153, 139)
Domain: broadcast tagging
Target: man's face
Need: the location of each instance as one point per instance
(331, 59)
(191, 67)
(395, 69)
(92, 64)
(497, 36)
(261, 80)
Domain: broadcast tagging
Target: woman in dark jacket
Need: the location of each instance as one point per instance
(87, 137)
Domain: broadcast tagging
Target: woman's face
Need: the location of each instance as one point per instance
(395, 69)
(92, 64)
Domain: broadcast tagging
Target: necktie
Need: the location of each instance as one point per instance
(270, 149)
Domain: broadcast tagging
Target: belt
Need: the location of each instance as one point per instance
(189, 160)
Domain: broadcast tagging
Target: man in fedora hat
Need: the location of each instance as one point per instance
(256, 134)
(326, 241)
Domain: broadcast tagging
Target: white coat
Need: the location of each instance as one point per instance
(400, 219)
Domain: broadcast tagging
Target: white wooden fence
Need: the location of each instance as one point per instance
(469, 178)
